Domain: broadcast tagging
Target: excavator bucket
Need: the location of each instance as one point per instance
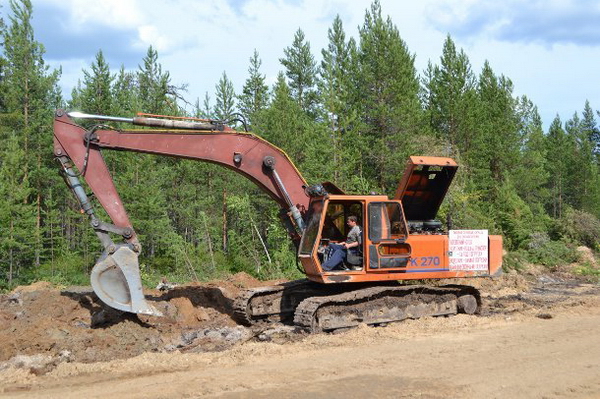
(116, 280)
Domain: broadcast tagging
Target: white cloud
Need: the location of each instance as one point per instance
(198, 40)
(149, 35)
(544, 22)
(111, 13)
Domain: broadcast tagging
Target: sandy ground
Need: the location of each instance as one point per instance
(538, 337)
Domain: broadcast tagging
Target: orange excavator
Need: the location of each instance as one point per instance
(400, 239)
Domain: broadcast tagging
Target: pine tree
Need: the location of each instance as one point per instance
(531, 175)
(30, 94)
(558, 165)
(300, 68)
(450, 96)
(225, 99)
(336, 83)
(255, 93)
(155, 93)
(387, 97)
(495, 150)
(96, 93)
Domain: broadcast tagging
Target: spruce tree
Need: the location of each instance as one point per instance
(225, 99)
(336, 84)
(450, 96)
(387, 97)
(96, 95)
(30, 92)
(301, 71)
(255, 93)
(558, 166)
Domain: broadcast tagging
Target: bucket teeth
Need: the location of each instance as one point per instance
(117, 282)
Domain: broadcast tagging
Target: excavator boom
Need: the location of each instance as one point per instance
(115, 277)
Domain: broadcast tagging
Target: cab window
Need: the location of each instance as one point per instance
(386, 221)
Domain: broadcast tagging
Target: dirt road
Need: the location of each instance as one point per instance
(524, 355)
(537, 337)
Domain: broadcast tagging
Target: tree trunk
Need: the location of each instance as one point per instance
(10, 256)
(224, 219)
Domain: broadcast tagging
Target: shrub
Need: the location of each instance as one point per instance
(65, 270)
(540, 249)
(514, 260)
(580, 227)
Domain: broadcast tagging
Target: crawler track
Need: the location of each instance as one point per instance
(376, 305)
(273, 303)
(320, 307)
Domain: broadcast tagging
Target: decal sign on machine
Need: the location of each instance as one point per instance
(468, 249)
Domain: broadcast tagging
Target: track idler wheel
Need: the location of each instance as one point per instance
(117, 282)
(467, 304)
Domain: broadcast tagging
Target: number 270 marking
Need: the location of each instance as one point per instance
(426, 261)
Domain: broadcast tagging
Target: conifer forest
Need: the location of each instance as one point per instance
(351, 113)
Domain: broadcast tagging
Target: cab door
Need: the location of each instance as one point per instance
(387, 234)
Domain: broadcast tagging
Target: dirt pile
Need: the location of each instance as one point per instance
(42, 327)
(40, 319)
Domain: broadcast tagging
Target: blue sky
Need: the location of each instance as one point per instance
(550, 49)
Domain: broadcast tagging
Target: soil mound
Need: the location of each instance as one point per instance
(40, 319)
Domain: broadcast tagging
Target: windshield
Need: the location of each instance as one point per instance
(312, 229)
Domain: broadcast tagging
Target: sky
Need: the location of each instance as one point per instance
(550, 49)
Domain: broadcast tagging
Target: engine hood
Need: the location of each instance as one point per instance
(424, 185)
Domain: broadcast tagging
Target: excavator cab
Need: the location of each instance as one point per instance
(384, 233)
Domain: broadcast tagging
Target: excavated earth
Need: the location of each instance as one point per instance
(40, 319)
(50, 335)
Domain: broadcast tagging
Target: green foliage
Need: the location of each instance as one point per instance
(587, 269)
(300, 68)
(96, 97)
(449, 97)
(387, 98)
(580, 227)
(514, 217)
(225, 94)
(156, 94)
(514, 260)
(542, 250)
(352, 120)
(255, 93)
(68, 269)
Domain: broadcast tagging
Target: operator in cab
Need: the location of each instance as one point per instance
(339, 252)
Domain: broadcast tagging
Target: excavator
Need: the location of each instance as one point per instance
(401, 241)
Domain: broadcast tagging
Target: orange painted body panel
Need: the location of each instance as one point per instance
(428, 257)
(495, 255)
(423, 246)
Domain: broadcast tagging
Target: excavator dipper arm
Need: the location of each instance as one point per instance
(115, 277)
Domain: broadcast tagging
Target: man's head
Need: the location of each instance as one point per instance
(352, 221)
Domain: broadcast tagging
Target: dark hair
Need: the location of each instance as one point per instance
(353, 218)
